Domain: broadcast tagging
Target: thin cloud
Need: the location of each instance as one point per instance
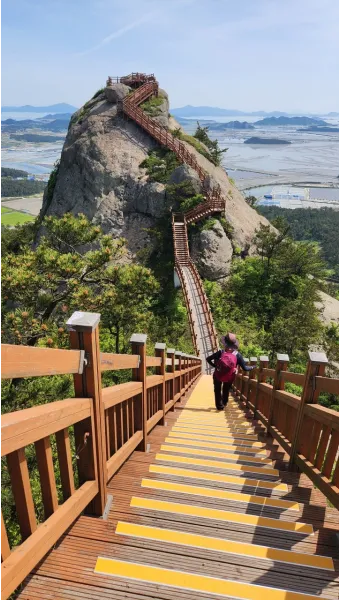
(118, 33)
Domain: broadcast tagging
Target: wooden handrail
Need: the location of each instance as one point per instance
(109, 424)
(308, 432)
(26, 361)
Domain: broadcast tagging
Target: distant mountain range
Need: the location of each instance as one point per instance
(277, 121)
(13, 126)
(57, 117)
(214, 111)
(52, 108)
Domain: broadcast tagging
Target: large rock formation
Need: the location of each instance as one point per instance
(212, 252)
(100, 176)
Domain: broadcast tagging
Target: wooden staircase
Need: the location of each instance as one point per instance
(201, 323)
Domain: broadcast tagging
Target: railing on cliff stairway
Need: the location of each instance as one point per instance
(107, 425)
(200, 318)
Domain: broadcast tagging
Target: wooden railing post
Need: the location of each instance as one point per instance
(264, 362)
(246, 360)
(178, 356)
(138, 346)
(253, 361)
(171, 369)
(84, 335)
(160, 352)
(281, 365)
(315, 367)
(184, 364)
(5, 548)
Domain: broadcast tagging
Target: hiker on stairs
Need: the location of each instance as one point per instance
(225, 363)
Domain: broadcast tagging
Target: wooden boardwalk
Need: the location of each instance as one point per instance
(209, 511)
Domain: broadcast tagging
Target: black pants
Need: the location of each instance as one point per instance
(221, 399)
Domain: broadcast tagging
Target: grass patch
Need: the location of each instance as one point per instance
(98, 93)
(209, 224)
(152, 106)
(13, 217)
(193, 142)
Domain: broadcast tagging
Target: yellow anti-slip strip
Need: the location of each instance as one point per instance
(218, 464)
(193, 540)
(240, 447)
(211, 453)
(196, 490)
(208, 438)
(207, 423)
(209, 431)
(204, 427)
(193, 582)
(218, 477)
(220, 515)
(218, 420)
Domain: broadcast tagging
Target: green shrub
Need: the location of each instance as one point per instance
(209, 224)
(159, 164)
(98, 93)
(190, 203)
(177, 192)
(196, 144)
(228, 228)
(152, 106)
(215, 151)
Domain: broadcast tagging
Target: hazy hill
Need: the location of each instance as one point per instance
(56, 116)
(276, 121)
(12, 126)
(53, 108)
(215, 111)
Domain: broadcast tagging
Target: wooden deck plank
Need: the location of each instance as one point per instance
(67, 572)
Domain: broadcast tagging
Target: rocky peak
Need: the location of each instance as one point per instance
(100, 175)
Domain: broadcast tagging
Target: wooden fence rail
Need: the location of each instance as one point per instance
(107, 425)
(308, 432)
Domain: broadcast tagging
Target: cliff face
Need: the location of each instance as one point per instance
(100, 176)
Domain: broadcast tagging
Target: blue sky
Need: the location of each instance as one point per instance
(244, 54)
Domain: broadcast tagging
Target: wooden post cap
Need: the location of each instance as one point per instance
(264, 359)
(138, 338)
(253, 359)
(282, 357)
(318, 357)
(178, 353)
(160, 346)
(170, 351)
(83, 321)
(246, 360)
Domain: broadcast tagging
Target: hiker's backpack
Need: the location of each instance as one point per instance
(226, 367)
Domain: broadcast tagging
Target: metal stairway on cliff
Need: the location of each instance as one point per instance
(200, 318)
